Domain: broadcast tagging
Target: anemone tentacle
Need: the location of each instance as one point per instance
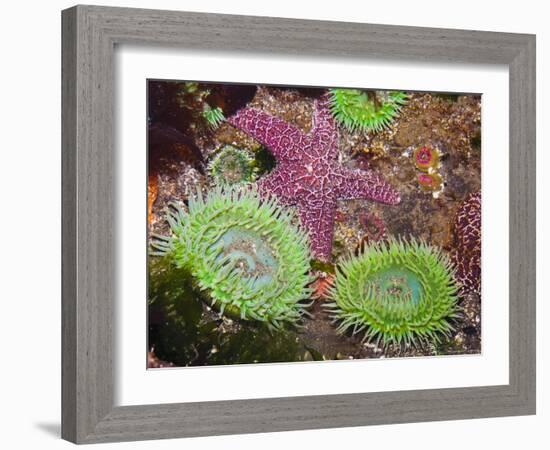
(364, 111)
(213, 116)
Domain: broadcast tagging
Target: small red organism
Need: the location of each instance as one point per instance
(322, 285)
(376, 230)
(339, 216)
(466, 254)
(430, 181)
(426, 158)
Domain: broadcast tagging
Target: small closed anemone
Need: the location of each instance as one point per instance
(244, 252)
(401, 293)
(426, 158)
(232, 166)
(431, 182)
(365, 111)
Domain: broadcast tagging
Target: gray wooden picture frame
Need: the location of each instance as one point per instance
(90, 34)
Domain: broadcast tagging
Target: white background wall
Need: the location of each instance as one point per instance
(30, 223)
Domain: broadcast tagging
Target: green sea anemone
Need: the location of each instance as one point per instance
(396, 292)
(232, 166)
(365, 110)
(244, 252)
(213, 116)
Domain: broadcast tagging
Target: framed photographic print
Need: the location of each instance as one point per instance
(268, 222)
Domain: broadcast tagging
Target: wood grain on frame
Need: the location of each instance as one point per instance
(89, 36)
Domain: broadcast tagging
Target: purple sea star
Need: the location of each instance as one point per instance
(308, 174)
(466, 255)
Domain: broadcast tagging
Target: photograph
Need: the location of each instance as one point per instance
(291, 224)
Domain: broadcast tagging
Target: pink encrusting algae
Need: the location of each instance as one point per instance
(308, 174)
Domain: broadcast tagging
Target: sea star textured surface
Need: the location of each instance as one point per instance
(308, 174)
(466, 255)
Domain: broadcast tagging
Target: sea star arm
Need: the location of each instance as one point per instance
(277, 183)
(322, 117)
(352, 184)
(324, 130)
(318, 219)
(280, 137)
